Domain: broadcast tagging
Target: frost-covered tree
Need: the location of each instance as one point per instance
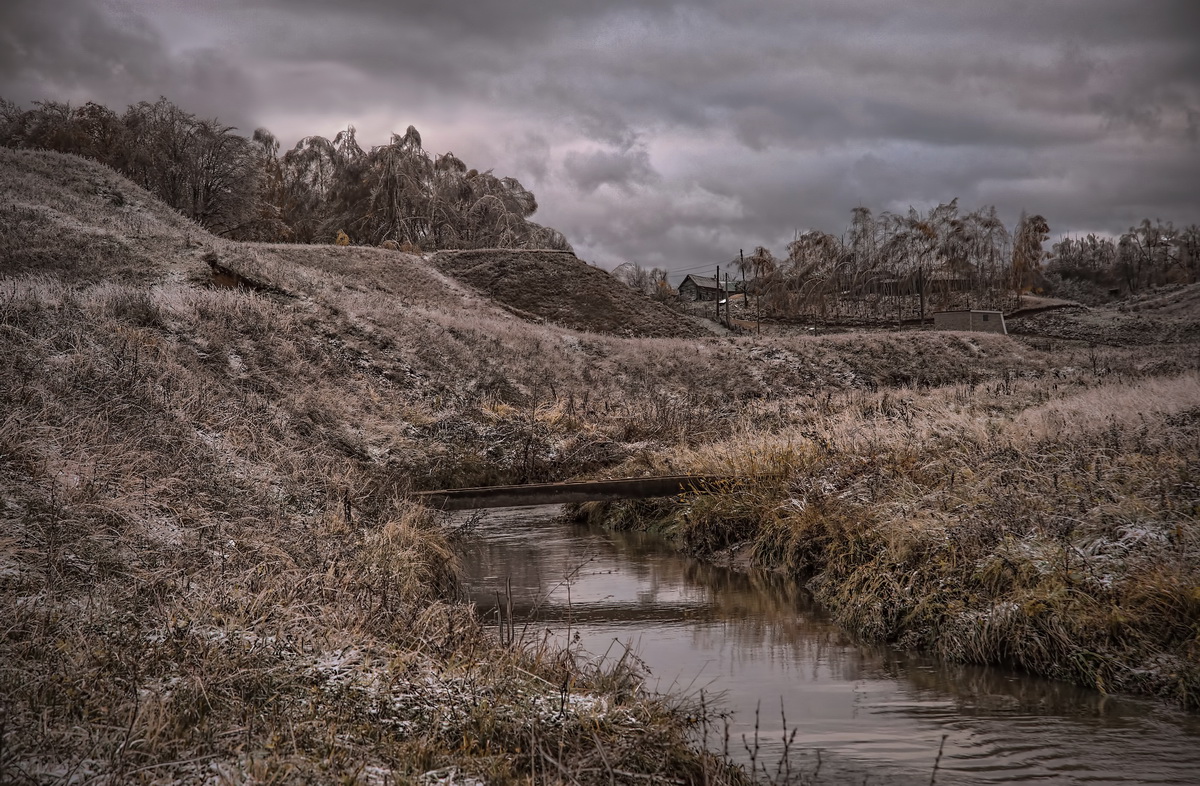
(1031, 233)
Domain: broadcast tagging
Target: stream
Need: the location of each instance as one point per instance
(757, 644)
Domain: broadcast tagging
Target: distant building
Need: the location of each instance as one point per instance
(882, 282)
(985, 321)
(706, 288)
(946, 280)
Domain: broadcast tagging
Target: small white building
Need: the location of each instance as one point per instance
(985, 321)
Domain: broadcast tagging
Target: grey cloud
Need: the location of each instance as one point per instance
(531, 152)
(74, 43)
(506, 20)
(664, 131)
(80, 50)
(682, 226)
(621, 169)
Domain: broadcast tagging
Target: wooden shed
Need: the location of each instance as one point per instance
(705, 288)
(984, 321)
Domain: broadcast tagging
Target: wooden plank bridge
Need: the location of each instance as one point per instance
(563, 493)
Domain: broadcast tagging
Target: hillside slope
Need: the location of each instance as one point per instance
(420, 370)
(213, 567)
(210, 571)
(1163, 316)
(558, 287)
(82, 222)
(79, 221)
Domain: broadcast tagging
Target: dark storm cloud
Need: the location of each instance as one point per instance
(622, 169)
(74, 43)
(84, 50)
(675, 132)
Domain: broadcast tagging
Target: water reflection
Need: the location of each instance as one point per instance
(759, 641)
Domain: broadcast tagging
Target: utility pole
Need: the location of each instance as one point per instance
(745, 292)
(718, 294)
(921, 291)
(725, 292)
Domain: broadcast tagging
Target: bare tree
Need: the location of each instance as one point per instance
(243, 187)
(1031, 233)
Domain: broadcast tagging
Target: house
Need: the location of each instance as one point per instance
(985, 321)
(706, 288)
(877, 282)
(945, 280)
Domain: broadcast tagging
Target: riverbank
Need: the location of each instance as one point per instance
(209, 565)
(207, 544)
(1047, 523)
(202, 586)
(797, 694)
(199, 590)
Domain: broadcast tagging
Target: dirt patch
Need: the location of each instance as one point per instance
(1176, 302)
(1109, 326)
(558, 287)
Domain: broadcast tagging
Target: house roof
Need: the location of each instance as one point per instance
(709, 282)
(945, 275)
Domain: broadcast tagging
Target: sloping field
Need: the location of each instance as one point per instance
(208, 565)
(422, 371)
(69, 217)
(558, 287)
(206, 545)
(1177, 302)
(1169, 316)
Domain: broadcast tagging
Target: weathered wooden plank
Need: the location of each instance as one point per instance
(563, 493)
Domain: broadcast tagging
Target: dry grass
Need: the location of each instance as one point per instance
(557, 287)
(209, 568)
(1050, 524)
(1156, 318)
(213, 574)
(210, 579)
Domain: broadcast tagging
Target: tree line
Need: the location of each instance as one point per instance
(901, 265)
(1148, 255)
(245, 188)
(906, 265)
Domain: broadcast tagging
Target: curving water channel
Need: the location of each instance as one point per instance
(861, 714)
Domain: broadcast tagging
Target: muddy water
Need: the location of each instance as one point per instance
(861, 714)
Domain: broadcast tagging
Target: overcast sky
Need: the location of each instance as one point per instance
(674, 133)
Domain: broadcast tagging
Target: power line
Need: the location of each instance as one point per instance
(694, 268)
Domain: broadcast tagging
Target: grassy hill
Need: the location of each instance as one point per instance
(209, 567)
(212, 565)
(1170, 315)
(557, 287)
